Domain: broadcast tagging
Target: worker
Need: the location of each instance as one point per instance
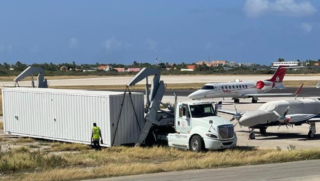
(95, 137)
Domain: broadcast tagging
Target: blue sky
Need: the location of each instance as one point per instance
(123, 31)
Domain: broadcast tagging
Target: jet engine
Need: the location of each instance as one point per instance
(260, 84)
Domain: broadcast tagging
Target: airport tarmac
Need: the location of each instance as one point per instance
(169, 79)
(275, 138)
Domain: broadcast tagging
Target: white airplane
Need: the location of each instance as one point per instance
(277, 113)
(246, 89)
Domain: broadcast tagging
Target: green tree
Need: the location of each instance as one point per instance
(299, 63)
(6, 66)
(20, 66)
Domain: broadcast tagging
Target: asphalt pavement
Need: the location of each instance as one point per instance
(291, 171)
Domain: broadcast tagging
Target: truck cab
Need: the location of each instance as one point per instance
(198, 128)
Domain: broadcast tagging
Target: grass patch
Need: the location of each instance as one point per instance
(21, 149)
(24, 140)
(120, 161)
(34, 146)
(68, 147)
(24, 160)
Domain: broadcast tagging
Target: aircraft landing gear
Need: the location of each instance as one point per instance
(254, 100)
(263, 131)
(235, 100)
(312, 130)
(252, 136)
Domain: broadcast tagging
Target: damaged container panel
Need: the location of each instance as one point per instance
(68, 115)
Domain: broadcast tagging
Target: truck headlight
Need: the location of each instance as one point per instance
(211, 135)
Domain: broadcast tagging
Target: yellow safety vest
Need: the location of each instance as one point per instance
(96, 133)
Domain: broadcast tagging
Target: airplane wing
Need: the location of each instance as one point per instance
(227, 111)
(313, 120)
(300, 117)
(270, 94)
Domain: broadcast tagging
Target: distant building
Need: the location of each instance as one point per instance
(63, 68)
(191, 67)
(288, 63)
(104, 67)
(246, 64)
(189, 70)
(90, 70)
(232, 64)
(203, 62)
(119, 69)
(133, 69)
(214, 63)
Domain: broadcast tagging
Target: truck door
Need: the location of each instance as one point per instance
(183, 124)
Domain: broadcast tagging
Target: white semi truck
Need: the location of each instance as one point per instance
(192, 125)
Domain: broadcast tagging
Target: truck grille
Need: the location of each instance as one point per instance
(226, 131)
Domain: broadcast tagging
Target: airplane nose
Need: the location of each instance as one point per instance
(193, 95)
(198, 94)
(251, 118)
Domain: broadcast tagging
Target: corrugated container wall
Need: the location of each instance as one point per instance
(68, 115)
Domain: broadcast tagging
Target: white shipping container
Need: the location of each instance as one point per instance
(68, 115)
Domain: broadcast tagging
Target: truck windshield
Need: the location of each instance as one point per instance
(203, 110)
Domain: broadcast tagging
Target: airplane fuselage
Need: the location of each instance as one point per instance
(264, 115)
(231, 89)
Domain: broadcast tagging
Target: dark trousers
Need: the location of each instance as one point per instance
(96, 145)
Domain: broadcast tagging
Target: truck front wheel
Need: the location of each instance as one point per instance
(196, 144)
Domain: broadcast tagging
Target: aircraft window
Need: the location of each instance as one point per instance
(237, 87)
(246, 86)
(233, 86)
(207, 87)
(222, 87)
(229, 87)
(242, 86)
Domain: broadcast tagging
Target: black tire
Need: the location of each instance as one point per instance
(196, 144)
(263, 131)
(236, 100)
(311, 135)
(252, 136)
(254, 100)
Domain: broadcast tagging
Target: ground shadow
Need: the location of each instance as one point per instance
(231, 103)
(276, 135)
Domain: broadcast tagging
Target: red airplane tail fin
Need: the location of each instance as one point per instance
(278, 74)
(298, 91)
